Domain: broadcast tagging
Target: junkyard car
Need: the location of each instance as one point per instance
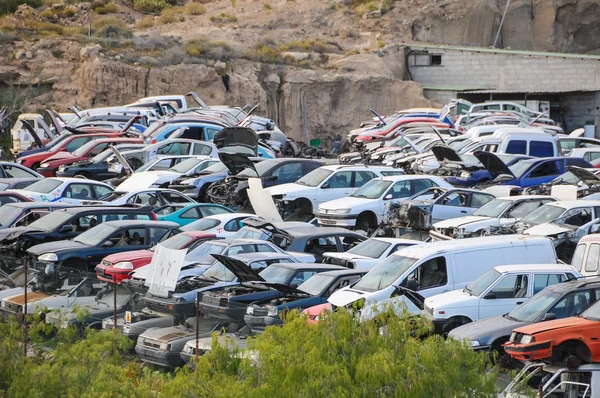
(68, 190)
(95, 168)
(368, 253)
(154, 197)
(586, 181)
(558, 301)
(500, 212)
(195, 212)
(222, 225)
(24, 213)
(498, 291)
(314, 291)
(86, 250)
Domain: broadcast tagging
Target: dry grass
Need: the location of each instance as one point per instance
(194, 9)
(145, 23)
(223, 18)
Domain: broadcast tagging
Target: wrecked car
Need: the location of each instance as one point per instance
(422, 210)
(368, 253)
(497, 213)
(314, 291)
(587, 183)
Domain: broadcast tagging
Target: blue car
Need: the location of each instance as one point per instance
(529, 172)
(194, 212)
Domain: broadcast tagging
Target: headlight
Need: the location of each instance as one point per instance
(165, 346)
(320, 210)
(343, 211)
(188, 349)
(527, 339)
(123, 265)
(45, 164)
(474, 343)
(48, 257)
(272, 311)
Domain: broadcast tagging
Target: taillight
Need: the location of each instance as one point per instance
(153, 141)
(154, 216)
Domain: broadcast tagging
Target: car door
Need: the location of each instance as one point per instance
(540, 174)
(283, 174)
(504, 295)
(451, 205)
(76, 193)
(123, 240)
(146, 199)
(338, 185)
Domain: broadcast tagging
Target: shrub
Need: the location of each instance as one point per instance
(101, 10)
(206, 48)
(10, 6)
(69, 13)
(194, 9)
(223, 18)
(107, 21)
(76, 32)
(307, 45)
(111, 8)
(145, 23)
(267, 6)
(97, 4)
(170, 15)
(44, 28)
(268, 54)
(58, 54)
(112, 35)
(154, 6)
(47, 14)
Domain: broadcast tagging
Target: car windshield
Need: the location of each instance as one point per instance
(219, 272)
(520, 168)
(96, 236)
(532, 309)
(202, 254)
(178, 241)
(493, 208)
(477, 287)
(593, 312)
(3, 186)
(46, 185)
(82, 150)
(315, 177)
(57, 139)
(543, 214)
(215, 168)
(567, 178)
(261, 168)
(51, 221)
(8, 214)
(316, 284)
(276, 274)
(385, 273)
(372, 248)
(372, 189)
(203, 224)
(247, 232)
(186, 165)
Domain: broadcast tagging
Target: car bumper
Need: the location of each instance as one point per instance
(64, 174)
(109, 274)
(342, 221)
(183, 308)
(256, 323)
(161, 358)
(529, 352)
(46, 171)
(234, 312)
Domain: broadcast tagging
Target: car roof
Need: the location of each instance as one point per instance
(571, 285)
(72, 179)
(532, 267)
(310, 266)
(405, 177)
(575, 203)
(334, 167)
(92, 208)
(257, 256)
(343, 272)
(318, 231)
(199, 234)
(397, 240)
(227, 216)
(134, 223)
(525, 197)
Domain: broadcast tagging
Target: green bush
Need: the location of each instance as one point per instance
(145, 23)
(107, 21)
(69, 13)
(194, 9)
(111, 8)
(10, 6)
(154, 6)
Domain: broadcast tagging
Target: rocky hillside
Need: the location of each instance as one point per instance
(332, 59)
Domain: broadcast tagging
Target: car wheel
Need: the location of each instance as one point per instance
(81, 175)
(366, 223)
(453, 323)
(482, 233)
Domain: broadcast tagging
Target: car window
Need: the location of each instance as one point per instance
(192, 132)
(157, 234)
(192, 213)
(145, 199)
(78, 191)
(517, 147)
(77, 142)
(321, 245)
(32, 216)
(572, 304)
(400, 189)
(540, 281)
(17, 172)
(478, 200)
(541, 149)
(592, 156)
(544, 169)
(300, 277)
(421, 185)
(431, 273)
(591, 264)
(458, 199)
(362, 177)
(392, 173)
(212, 210)
(163, 164)
(341, 179)
(511, 286)
(578, 217)
(174, 197)
(210, 133)
(200, 149)
(264, 248)
(83, 223)
(97, 149)
(174, 148)
(522, 209)
(233, 225)
(129, 237)
(288, 172)
(241, 249)
(100, 190)
(348, 242)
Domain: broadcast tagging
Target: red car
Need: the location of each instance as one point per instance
(394, 125)
(120, 265)
(92, 148)
(12, 197)
(68, 144)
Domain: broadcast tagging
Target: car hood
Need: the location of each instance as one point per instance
(59, 156)
(55, 247)
(493, 164)
(243, 272)
(497, 326)
(347, 256)
(236, 162)
(290, 189)
(137, 181)
(555, 324)
(165, 335)
(586, 177)
(548, 229)
(32, 297)
(460, 222)
(347, 203)
(342, 298)
(160, 177)
(453, 299)
(445, 154)
(231, 137)
(129, 256)
(14, 233)
(285, 289)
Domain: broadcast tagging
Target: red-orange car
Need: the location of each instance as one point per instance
(559, 340)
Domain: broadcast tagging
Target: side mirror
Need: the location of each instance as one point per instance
(325, 186)
(108, 243)
(65, 229)
(549, 317)
(273, 178)
(388, 196)
(490, 296)
(412, 284)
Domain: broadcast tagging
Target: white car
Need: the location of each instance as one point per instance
(494, 293)
(369, 253)
(188, 167)
(170, 147)
(153, 197)
(222, 225)
(556, 218)
(366, 208)
(324, 184)
(67, 190)
(500, 212)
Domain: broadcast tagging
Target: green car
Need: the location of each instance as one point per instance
(191, 213)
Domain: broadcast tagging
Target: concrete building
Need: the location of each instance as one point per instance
(568, 85)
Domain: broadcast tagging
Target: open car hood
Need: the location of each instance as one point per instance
(261, 223)
(237, 140)
(239, 269)
(493, 164)
(444, 153)
(236, 162)
(285, 289)
(586, 177)
(33, 134)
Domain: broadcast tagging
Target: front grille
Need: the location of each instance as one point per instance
(214, 300)
(259, 311)
(151, 344)
(516, 337)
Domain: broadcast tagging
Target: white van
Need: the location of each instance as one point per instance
(440, 267)
(517, 141)
(586, 258)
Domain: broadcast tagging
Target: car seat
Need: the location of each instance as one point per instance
(339, 181)
(581, 305)
(112, 217)
(152, 201)
(135, 239)
(404, 192)
(521, 292)
(83, 194)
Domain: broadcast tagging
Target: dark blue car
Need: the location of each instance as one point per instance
(472, 178)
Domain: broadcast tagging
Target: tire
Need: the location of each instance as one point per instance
(366, 222)
(481, 233)
(81, 175)
(453, 323)
(304, 205)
